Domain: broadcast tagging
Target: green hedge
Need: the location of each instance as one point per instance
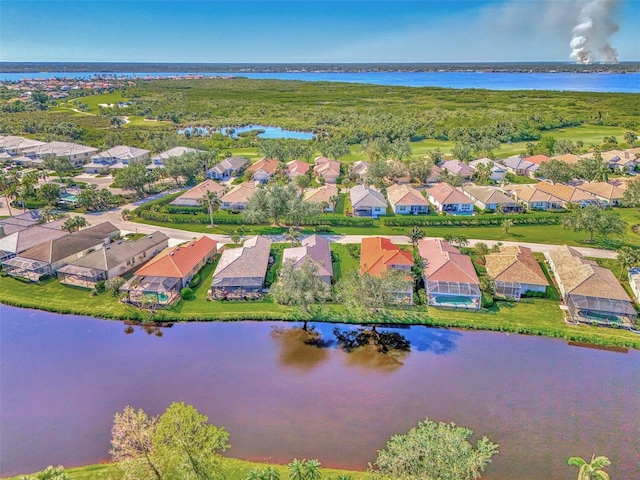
(200, 218)
(186, 210)
(475, 221)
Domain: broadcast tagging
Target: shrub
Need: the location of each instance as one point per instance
(487, 300)
(186, 293)
(44, 277)
(323, 228)
(195, 281)
(100, 285)
(475, 221)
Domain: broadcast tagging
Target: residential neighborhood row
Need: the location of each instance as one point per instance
(156, 273)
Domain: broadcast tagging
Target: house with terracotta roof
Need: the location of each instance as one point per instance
(490, 198)
(326, 194)
(537, 159)
(367, 201)
(498, 171)
(406, 200)
(515, 271)
(449, 276)
(295, 168)
(237, 198)
(533, 198)
(448, 199)
(264, 169)
(47, 257)
(115, 259)
(242, 270)
(379, 255)
(315, 249)
(591, 293)
(327, 169)
(157, 161)
(456, 167)
(227, 168)
(162, 277)
(191, 198)
(120, 156)
(604, 191)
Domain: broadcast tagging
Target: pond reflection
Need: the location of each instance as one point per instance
(373, 349)
(300, 347)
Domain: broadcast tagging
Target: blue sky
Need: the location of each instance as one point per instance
(300, 31)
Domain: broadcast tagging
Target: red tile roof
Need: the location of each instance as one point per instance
(378, 254)
(537, 159)
(177, 262)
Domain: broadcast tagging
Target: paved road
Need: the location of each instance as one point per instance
(182, 235)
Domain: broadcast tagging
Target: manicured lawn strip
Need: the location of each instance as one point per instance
(533, 317)
(234, 469)
(343, 261)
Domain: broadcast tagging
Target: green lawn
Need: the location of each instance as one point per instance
(92, 101)
(343, 260)
(234, 469)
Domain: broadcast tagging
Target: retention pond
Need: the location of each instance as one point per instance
(281, 395)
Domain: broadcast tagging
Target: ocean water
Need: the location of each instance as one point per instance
(579, 82)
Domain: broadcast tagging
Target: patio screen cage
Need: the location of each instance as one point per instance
(509, 290)
(80, 276)
(453, 288)
(26, 267)
(234, 283)
(578, 304)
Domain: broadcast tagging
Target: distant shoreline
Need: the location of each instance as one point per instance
(503, 67)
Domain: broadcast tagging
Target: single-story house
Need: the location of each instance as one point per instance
(162, 277)
(435, 174)
(456, 167)
(519, 166)
(604, 191)
(77, 154)
(569, 158)
(315, 249)
(327, 193)
(379, 255)
(229, 167)
(120, 156)
(242, 270)
(537, 159)
(191, 198)
(264, 169)
(367, 201)
(47, 257)
(591, 293)
(238, 196)
(327, 169)
(498, 171)
(158, 160)
(449, 277)
(449, 199)
(296, 168)
(533, 198)
(21, 240)
(568, 194)
(406, 200)
(634, 282)
(621, 160)
(19, 222)
(515, 271)
(491, 198)
(359, 168)
(115, 259)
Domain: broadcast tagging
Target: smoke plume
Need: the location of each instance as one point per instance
(590, 42)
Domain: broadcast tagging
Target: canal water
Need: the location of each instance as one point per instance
(280, 395)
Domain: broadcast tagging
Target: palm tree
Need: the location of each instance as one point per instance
(415, 234)
(74, 224)
(312, 470)
(297, 470)
(592, 470)
(333, 200)
(10, 193)
(292, 236)
(48, 212)
(212, 202)
(506, 225)
(628, 257)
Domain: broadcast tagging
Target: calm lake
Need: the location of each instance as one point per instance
(580, 82)
(64, 377)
